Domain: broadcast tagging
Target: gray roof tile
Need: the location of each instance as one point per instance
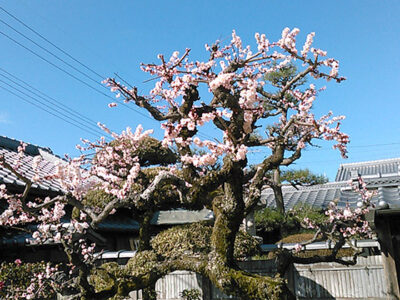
(377, 168)
(8, 148)
(180, 216)
(321, 195)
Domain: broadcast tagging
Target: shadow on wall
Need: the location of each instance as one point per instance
(306, 288)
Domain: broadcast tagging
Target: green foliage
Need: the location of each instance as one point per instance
(95, 198)
(303, 237)
(15, 278)
(194, 238)
(98, 198)
(245, 245)
(143, 262)
(299, 212)
(185, 239)
(192, 294)
(103, 278)
(282, 76)
(269, 219)
(150, 152)
(303, 176)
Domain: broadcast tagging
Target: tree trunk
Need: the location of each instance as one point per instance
(148, 293)
(277, 188)
(145, 230)
(222, 269)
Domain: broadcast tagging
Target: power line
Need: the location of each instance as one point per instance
(97, 131)
(348, 147)
(55, 46)
(73, 67)
(64, 52)
(51, 100)
(73, 76)
(52, 54)
(44, 109)
(54, 65)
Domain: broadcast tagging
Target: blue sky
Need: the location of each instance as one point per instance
(116, 36)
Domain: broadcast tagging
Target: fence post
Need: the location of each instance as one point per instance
(388, 259)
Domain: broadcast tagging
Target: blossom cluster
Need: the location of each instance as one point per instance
(348, 223)
(14, 214)
(21, 280)
(235, 68)
(235, 76)
(39, 282)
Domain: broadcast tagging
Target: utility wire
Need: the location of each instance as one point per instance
(73, 76)
(49, 99)
(44, 109)
(348, 147)
(52, 54)
(55, 111)
(57, 103)
(55, 46)
(54, 65)
(68, 64)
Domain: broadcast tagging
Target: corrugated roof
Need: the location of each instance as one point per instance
(320, 195)
(181, 216)
(8, 148)
(370, 169)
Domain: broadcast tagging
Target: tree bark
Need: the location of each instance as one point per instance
(148, 293)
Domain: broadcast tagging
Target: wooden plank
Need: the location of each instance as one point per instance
(322, 281)
(388, 259)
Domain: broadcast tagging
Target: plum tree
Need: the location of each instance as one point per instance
(144, 175)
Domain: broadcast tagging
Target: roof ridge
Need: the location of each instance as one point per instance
(31, 149)
(326, 185)
(371, 162)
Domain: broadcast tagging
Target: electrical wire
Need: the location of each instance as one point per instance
(74, 77)
(51, 63)
(50, 99)
(46, 110)
(60, 59)
(52, 54)
(94, 131)
(55, 46)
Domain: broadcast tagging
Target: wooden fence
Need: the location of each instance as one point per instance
(321, 281)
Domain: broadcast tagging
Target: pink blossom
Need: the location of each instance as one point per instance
(241, 153)
(223, 79)
(297, 248)
(307, 45)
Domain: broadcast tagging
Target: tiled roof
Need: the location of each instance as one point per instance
(17, 240)
(119, 223)
(8, 148)
(165, 217)
(320, 195)
(381, 175)
(369, 169)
